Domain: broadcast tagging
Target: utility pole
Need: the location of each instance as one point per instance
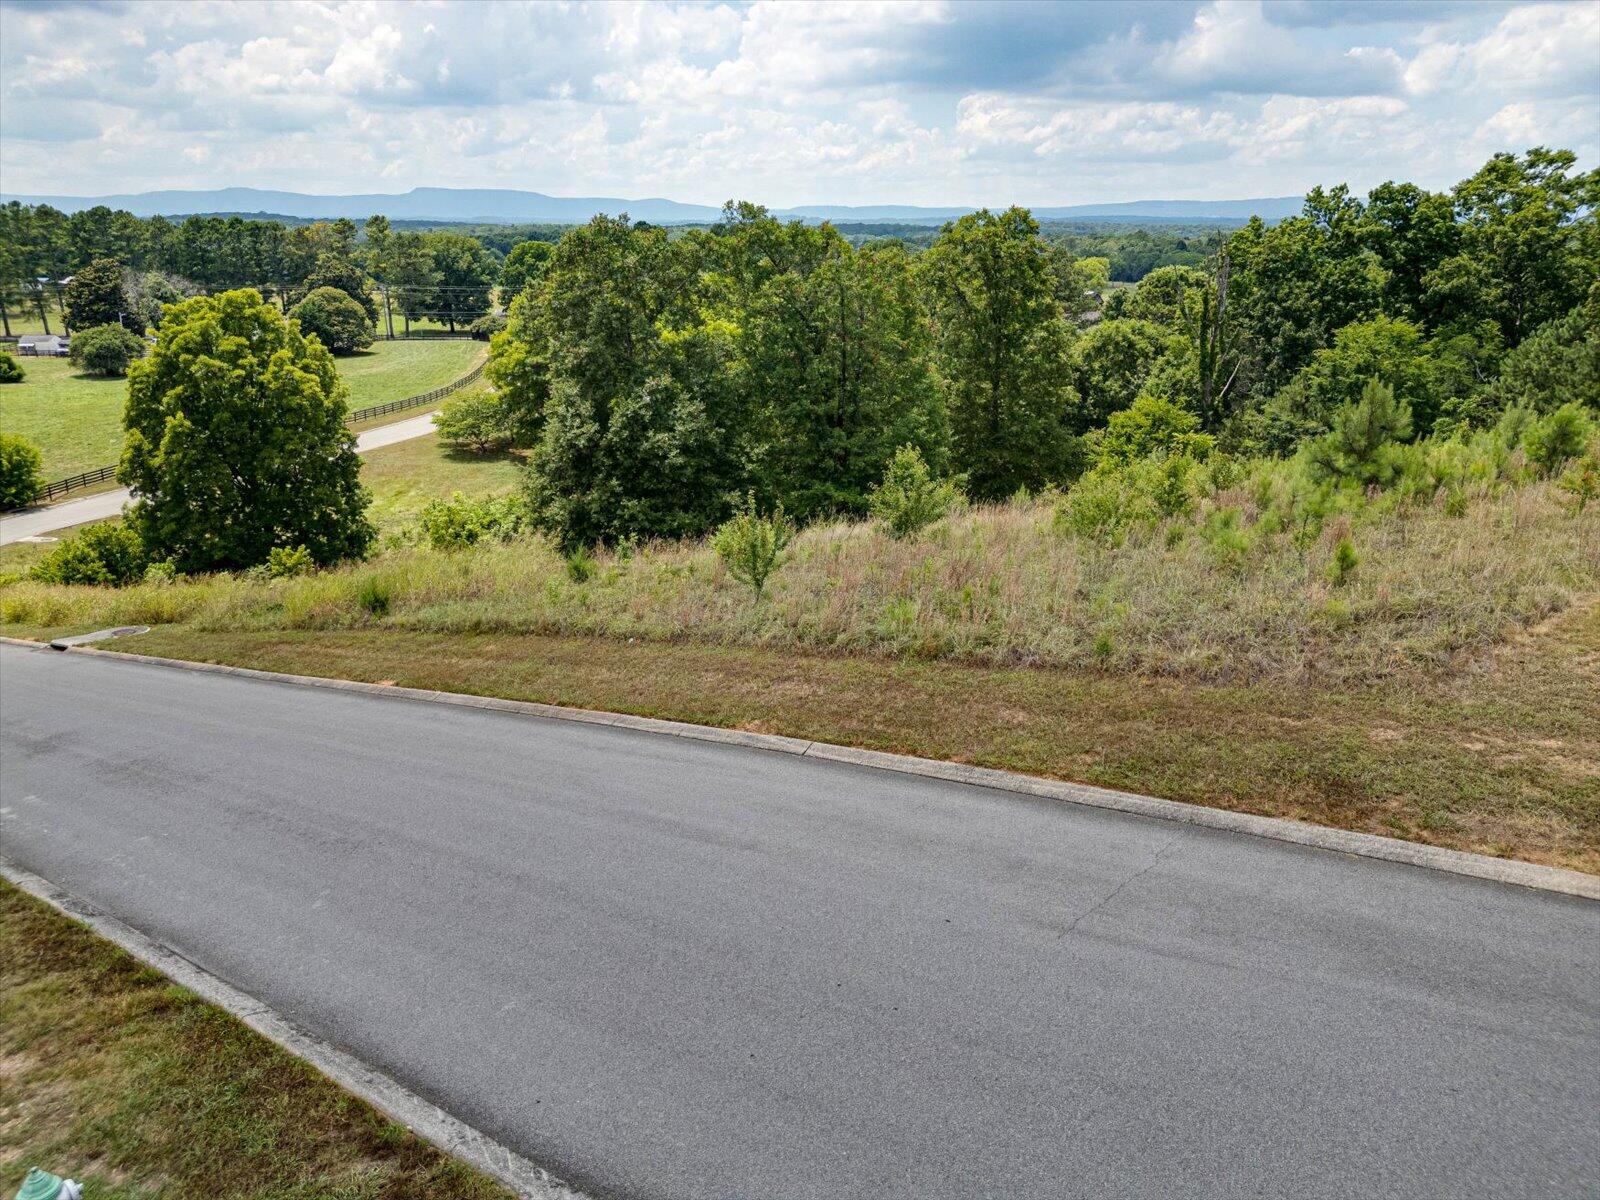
(388, 312)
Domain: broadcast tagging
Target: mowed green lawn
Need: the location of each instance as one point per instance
(405, 476)
(76, 419)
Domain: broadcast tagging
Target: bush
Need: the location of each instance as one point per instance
(1553, 439)
(909, 497)
(374, 596)
(339, 322)
(107, 554)
(19, 471)
(486, 326)
(476, 420)
(1344, 562)
(580, 565)
(1152, 425)
(1582, 481)
(1363, 443)
(106, 349)
(751, 545)
(10, 369)
(160, 574)
(459, 522)
(285, 562)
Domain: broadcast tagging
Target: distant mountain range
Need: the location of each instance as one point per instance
(494, 206)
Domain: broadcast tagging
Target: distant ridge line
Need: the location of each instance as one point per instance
(490, 206)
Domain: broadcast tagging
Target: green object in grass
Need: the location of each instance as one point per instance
(41, 1185)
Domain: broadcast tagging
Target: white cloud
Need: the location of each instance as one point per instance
(932, 101)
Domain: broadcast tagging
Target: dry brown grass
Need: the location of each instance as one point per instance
(992, 585)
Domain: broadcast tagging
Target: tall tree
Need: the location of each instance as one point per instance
(466, 275)
(96, 297)
(237, 443)
(839, 365)
(1001, 344)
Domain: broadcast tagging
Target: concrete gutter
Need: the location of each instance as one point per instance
(1367, 845)
(426, 1120)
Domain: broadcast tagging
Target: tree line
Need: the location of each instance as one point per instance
(660, 382)
(439, 275)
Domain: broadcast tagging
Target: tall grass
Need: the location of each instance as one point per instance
(1230, 590)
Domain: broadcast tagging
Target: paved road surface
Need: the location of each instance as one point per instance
(33, 522)
(674, 968)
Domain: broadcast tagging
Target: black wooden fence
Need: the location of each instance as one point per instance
(73, 482)
(438, 393)
(100, 474)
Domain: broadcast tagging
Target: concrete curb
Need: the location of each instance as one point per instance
(427, 1121)
(1321, 837)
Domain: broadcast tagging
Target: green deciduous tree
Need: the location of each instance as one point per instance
(465, 274)
(1001, 346)
(1530, 244)
(523, 266)
(337, 320)
(839, 369)
(342, 273)
(237, 442)
(1110, 363)
(1151, 425)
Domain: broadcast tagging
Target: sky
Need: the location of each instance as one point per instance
(789, 102)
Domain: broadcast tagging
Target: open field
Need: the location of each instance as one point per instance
(404, 477)
(138, 1088)
(1445, 693)
(395, 370)
(76, 419)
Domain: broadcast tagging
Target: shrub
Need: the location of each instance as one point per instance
(10, 369)
(476, 420)
(487, 326)
(909, 497)
(1582, 481)
(19, 471)
(106, 349)
(1150, 426)
(339, 322)
(1344, 562)
(751, 545)
(461, 521)
(1362, 445)
(285, 562)
(374, 595)
(106, 554)
(160, 574)
(580, 565)
(1553, 439)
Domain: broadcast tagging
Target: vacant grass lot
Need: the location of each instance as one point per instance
(139, 1089)
(1449, 691)
(76, 419)
(405, 476)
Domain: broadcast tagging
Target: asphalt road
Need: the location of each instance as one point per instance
(672, 968)
(33, 522)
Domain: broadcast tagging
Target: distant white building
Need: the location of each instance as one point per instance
(44, 345)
